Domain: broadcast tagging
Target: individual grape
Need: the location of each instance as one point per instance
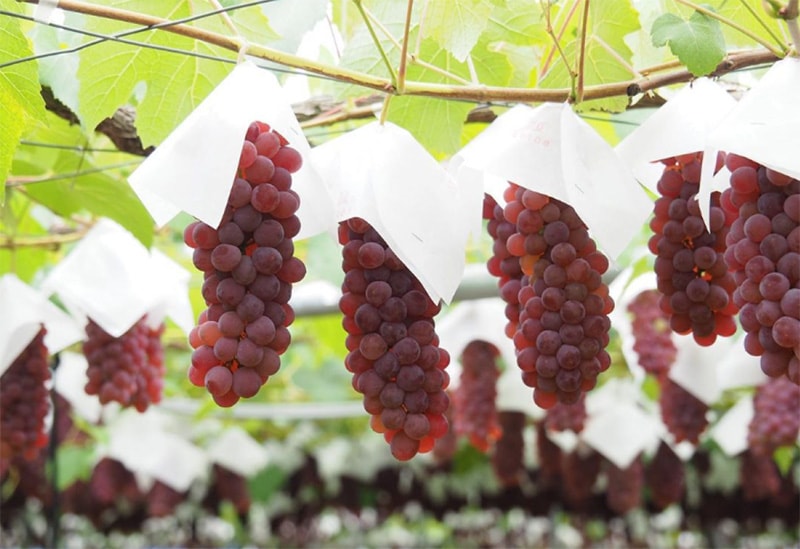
(474, 411)
(218, 380)
(765, 266)
(389, 319)
(624, 491)
(561, 293)
(265, 198)
(249, 268)
(652, 334)
(509, 449)
(776, 421)
(688, 271)
(246, 382)
(24, 402)
(665, 477)
(128, 369)
(248, 155)
(683, 414)
(225, 257)
(260, 171)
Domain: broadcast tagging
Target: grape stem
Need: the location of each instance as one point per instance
(47, 241)
(761, 21)
(226, 18)
(790, 14)
(734, 25)
(371, 29)
(557, 42)
(401, 71)
(584, 23)
(414, 57)
(479, 93)
(385, 108)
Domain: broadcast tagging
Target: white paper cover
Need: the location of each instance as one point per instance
(550, 150)
(479, 319)
(514, 396)
(696, 367)
(113, 279)
(763, 126)
(616, 425)
(730, 432)
(194, 168)
(25, 309)
(69, 380)
(382, 174)
(681, 126)
(623, 290)
(237, 451)
(738, 368)
(144, 445)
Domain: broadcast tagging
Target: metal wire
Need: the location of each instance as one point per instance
(74, 174)
(76, 148)
(119, 37)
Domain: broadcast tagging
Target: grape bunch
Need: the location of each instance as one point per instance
(24, 403)
(549, 454)
(579, 472)
(249, 267)
(475, 414)
(128, 369)
(110, 482)
(764, 255)
(624, 491)
(684, 415)
(162, 500)
(665, 477)
(227, 486)
(393, 349)
(563, 321)
(508, 459)
(690, 268)
(758, 476)
(566, 417)
(652, 334)
(776, 418)
(502, 264)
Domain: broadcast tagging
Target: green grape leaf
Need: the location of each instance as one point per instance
(12, 120)
(290, 25)
(171, 84)
(436, 124)
(20, 101)
(59, 72)
(74, 463)
(100, 194)
(697, 42)
(24, 261)
(518, 22)
(766, 28)
(176, 87)
(71, 180)
(784, 457)
(606, 56)
(263, 485)
(362, 54)
(456, 24)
